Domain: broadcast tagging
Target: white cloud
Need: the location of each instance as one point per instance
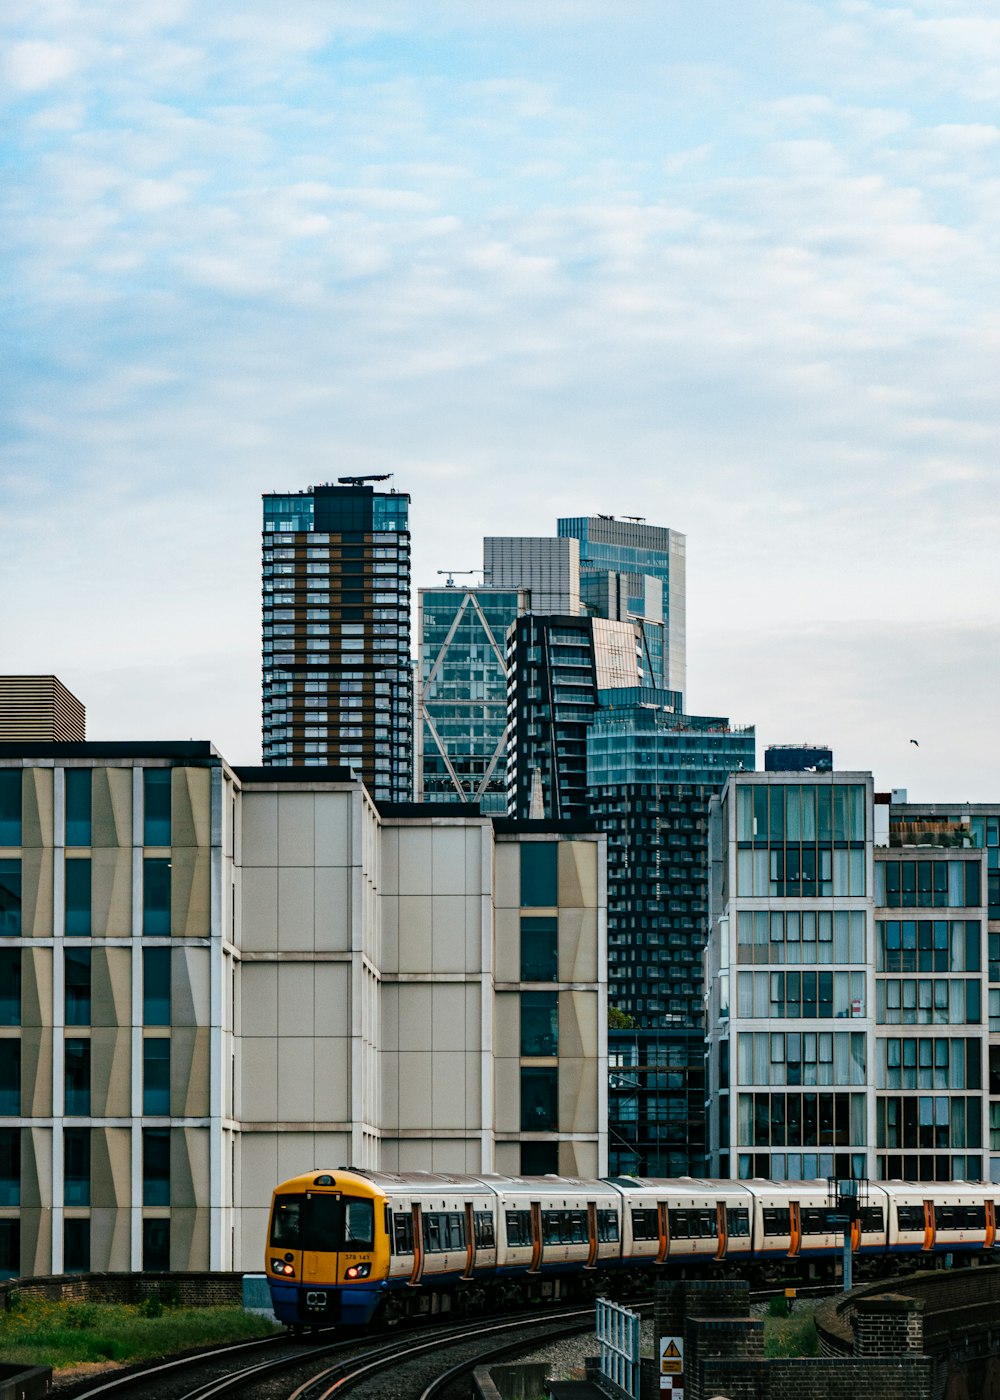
(35, 64)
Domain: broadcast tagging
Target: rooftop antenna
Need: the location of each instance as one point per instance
(640, 519)
(449, 575)
(360, 480)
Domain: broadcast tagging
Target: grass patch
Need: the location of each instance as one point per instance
(35, 1332)
(791, 1336)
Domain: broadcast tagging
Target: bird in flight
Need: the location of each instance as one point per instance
(913, 741)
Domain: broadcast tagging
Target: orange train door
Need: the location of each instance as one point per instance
(720, 1213)
(929, 1227)
(855, 1235)
(592, 1234)
(536, 1237)
(663, 1226)
(470, 1240)
(795, 1228)
(418, 1245)
(991, 1225)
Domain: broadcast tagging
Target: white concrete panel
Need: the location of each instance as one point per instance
(415, 938)
(389, 1024)
(296, 999)
(296, 1154)
(506, 875)
(473, 1016)
(333, 1080)
(296, 893)
(295, 1075)
(260, 828)
(333, 828)
(390, 933)
(332, 998)
(333, 908)
(448, 1090)
(389, 845)
(390, 1090)
(259, 998)
(260, 910)
(252, 1230)
(414, 1016)
(447, 1022)
(450, 1155)
(296, 844)
(415, 860)
(259, 1169)
(507, 945)
(449, 874)
(507, 1024)
(260, 1078)
(415, 1097)
(474, 860)
(449, 941)
(473, 1091)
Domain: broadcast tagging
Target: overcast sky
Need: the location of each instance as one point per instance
(729, 266)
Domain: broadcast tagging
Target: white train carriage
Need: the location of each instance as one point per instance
(440, 1227)
(557, 1224)
(933, 1216)
(684, 1219)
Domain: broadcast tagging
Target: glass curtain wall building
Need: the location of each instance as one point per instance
(337, 677)
(462, 704)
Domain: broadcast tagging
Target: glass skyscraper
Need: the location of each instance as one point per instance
(337, 677)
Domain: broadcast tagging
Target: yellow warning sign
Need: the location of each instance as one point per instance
(672, 1349)
(670, 1367)
(671, 1360)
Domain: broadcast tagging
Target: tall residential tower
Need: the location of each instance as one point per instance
(337, 680)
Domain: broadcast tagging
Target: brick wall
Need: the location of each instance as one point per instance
(188, 1290)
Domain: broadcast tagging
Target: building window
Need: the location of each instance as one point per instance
(76, 1166)
(156, 975)
(10, 1077)
(10, 1248)
(78, 806)
(539, 874)
(539, 1100)
(156, 1076)
(76, 1246)
(155, 895)
(540, 1023)
(539, 1158)
(77, 979)
(156, 1166)
(539, 950)
(78, 898)
(10, 807)
(10, 896)
(156, 787)
(10, 986)
(10, 1166)
(78, 1077)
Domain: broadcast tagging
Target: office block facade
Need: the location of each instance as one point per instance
(213, 978)
(847, 989)
(462, 694)
(337, 679)
(546, 567)
(631, 569)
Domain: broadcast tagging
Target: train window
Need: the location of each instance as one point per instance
(564, 1226)
(485, 1232)
(693, 1224)
(872, 1220)
(324, 1222)
(910, 1217)
(444, 1230)
(738, 1222)
(518, 1224)
(821, 1220)
(402, 1234)
(777, 1221)
(960, 1217)
(645, 1225)
(359, 1225)
(607, 1226)
(286, 1222)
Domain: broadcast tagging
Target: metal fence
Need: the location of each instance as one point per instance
(618, 1336)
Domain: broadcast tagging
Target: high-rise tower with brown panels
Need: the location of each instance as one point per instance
(337, 675)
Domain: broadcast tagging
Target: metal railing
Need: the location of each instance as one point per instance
(618, 1337)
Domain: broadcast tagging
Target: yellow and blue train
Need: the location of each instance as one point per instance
(349, 1246)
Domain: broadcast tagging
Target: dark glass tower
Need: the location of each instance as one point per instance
(337, 678)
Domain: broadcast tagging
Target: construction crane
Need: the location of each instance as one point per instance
(450, 575)
(360, 480)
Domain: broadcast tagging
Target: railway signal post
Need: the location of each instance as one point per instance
(848, 1197)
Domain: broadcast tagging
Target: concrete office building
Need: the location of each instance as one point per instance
(847, 984)
(337, 679)
(212, 978)
(546, 567)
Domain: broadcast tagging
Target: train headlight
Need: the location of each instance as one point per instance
(279, 1266)
(358, 1271)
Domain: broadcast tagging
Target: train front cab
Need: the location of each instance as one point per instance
(327, 1251)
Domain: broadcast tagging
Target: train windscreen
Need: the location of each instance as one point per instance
(321, 1222)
